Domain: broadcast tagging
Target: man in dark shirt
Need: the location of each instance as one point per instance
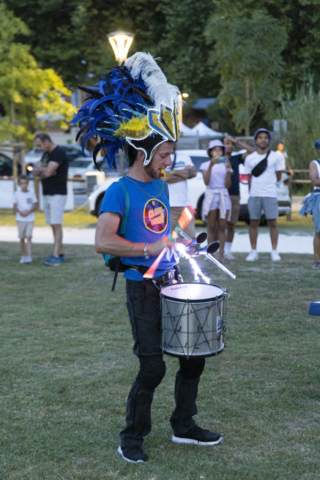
(53, 171)
(234, 191)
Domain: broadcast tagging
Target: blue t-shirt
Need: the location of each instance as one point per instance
(235, 161)
(148, 219)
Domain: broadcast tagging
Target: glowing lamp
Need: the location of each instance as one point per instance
(120, 43)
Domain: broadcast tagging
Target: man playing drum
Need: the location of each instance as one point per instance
(134, 107)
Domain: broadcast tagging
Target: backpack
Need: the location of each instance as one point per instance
(114, 263)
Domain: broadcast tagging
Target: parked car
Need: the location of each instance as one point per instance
(72, 151)
(77, 170)
(196, 188)
(6, 166)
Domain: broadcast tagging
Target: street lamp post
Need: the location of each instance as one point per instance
(120, 43)
(180, 97)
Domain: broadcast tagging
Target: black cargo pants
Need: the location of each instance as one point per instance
(143, 304)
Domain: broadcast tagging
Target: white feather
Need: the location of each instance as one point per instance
(158, 89)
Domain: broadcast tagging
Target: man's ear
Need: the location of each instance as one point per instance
(140, 155)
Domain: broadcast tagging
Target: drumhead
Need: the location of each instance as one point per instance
(194, 292)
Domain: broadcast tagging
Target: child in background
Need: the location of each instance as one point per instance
(25, 204)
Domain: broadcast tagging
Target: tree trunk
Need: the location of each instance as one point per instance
(247, 127)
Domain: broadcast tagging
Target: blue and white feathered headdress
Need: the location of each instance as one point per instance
(134, 103)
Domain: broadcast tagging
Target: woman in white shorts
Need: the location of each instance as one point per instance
(216, 207)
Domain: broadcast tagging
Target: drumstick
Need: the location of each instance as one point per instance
(185, 218)
(151, 271)
(214, 260)
(183, 221)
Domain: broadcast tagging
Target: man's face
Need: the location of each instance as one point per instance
(42, 146)
(160, 160)
(262, 140)
(229, 145)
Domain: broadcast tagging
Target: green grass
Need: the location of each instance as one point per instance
(79, 218)
(83, 219)
(67, 366)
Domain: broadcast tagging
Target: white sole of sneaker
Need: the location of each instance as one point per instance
(190, 441)
(128, 459)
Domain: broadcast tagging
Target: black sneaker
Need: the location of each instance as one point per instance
(198, 436)
(133, 454)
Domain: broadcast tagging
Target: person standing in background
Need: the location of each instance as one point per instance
(24, 204)
(180, 171)
(264, 168)
(234, 190)
(311, 205)
(53, 171)
(283, 154)
(216, 207)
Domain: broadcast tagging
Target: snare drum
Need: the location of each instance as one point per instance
(193, 319)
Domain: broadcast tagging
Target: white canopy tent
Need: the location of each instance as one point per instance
(185, 131)
(202, 130)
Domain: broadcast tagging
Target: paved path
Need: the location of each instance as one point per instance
(85, 236)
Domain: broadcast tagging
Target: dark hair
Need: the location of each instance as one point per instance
(131, 153)
(43, 137)
(23, 177)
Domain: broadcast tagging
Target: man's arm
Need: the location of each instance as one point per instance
(278, 174)
(174, 176)
(249, 181)
(45, 172)
(107, 240)
(313, 174)
(291, 172)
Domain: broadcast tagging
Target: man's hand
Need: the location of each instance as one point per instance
(157, 247)
(231, 139)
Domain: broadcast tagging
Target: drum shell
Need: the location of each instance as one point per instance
(193, 328)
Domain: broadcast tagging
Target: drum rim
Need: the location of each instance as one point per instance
(183, 300)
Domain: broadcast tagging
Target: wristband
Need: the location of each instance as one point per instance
(145, 252)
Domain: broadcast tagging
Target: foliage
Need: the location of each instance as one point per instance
(303, 119)
(248, 58)
(70, 37)
(221, 114)
(26, 91)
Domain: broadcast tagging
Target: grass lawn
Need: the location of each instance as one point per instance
(81, 218)
(67, 366)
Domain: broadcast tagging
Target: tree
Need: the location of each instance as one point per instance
(26, 91)
(303, 119)
(248, 58)
(71, 37)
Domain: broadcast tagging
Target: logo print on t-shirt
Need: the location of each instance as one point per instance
(155, 216)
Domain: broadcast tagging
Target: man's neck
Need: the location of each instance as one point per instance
(262, 151)
(52, 147)
(138, 172)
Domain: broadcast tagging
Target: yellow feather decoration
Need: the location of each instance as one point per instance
(137, 128)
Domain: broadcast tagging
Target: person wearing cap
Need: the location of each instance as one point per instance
(177, 176)
(311, 204)
(235, 159)
(264, 168)
(216, 207)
